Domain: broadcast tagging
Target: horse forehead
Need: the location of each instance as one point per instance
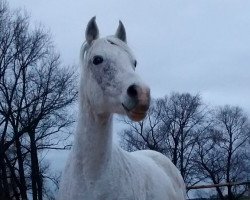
(104, 45)
(121, 44)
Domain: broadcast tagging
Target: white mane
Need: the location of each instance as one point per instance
(83, 51)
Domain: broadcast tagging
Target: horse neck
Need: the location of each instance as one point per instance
(93, 140)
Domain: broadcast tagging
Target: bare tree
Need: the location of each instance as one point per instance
(35, 92)
(184, 118)
(222, 154)
(171, 128)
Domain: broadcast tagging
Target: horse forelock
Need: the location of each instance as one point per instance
(85, 46)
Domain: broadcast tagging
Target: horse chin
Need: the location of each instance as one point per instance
(136, 116)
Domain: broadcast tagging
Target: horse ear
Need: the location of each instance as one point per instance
(121, 32)
(92, 32)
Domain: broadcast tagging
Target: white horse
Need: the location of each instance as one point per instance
(97, 169)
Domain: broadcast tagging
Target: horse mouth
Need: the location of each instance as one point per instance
(135, 114)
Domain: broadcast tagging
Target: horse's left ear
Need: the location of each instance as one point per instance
(92, 32)
(121, 32)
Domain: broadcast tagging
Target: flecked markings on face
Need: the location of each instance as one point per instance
(105, 74)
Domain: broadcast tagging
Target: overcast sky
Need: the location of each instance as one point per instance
(187, 46)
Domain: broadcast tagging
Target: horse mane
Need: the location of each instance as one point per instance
(85, 46)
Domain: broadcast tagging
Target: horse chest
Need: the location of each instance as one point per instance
(116, 182)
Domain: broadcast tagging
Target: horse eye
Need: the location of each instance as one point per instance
(97, 60)
(135, 63)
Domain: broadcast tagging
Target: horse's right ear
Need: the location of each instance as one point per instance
(92, 32)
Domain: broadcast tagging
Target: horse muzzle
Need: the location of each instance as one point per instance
(137, 103)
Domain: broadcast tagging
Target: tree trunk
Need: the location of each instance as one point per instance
(182, 156)
(229, 188)
(175, 153)
(221, 196)
(23, 188)
(15, 183)
(230, 193)
(37, 186)
(4, 189)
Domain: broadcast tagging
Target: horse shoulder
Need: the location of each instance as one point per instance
(165, 164)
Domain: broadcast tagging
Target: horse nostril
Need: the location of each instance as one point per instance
(132, 91)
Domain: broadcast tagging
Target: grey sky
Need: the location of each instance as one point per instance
(187, 46)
